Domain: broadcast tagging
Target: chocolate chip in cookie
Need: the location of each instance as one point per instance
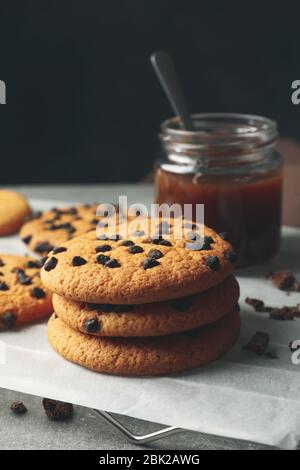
(78, 261)
(155, 254)
(59, 249)
(51, 264)
(112, 263)
(102, 259)
(149, 263)
(92, 325)
(27, 239)
(103, 248)
(213, 263)
(3, 286)
(8, 319)
(38, 293)
(135, 249)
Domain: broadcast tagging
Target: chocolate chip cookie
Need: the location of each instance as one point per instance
(14, 209)
(23, 299)
(145, 356)
(155, 319)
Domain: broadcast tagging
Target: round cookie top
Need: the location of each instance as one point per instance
(145, 356)
(54, 227)
(155, 319)
(23, 299)
(122, 268)
(14, 209)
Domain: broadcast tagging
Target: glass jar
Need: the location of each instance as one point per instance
(229, 164)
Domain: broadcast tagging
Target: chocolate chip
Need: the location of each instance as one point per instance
(94, 221)
(182, 304)
(102, 259)
(1, 273)
(92, 325)
(57, 410)
(127, 243)
(43, 261)
(78, 261)
(38, 293)
(213, 263)
(155, 254)
(224, 236)
(135, 249)
(27, 239)
(43, 247)
(162, 242)
(72, 211)
(50, 264)
(66, 226)
(208, 240)
(33, 264)
(8, 320)
(3, 286)
(59, 249)
(149, 263)
(103, 248)
(22, 278)
(258, 343)
(231, 256)
(1, 263)
(18, 408)
(284, 313)
(112, 263)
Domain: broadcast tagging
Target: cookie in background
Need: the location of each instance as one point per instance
(14, 210)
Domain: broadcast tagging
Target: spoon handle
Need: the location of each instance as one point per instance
(166, 73)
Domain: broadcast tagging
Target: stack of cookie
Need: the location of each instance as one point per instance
(140, 305)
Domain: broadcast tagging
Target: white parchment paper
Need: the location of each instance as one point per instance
(240, 396)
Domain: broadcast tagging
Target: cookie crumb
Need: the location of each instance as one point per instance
(284, 280)
(258, 343)
(257, 304)
(18, 408)
(57, 410)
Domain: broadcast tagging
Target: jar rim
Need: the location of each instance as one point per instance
(221, 129)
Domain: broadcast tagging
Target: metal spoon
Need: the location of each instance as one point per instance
(166, 73)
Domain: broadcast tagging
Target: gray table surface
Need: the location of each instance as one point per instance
(85, 430)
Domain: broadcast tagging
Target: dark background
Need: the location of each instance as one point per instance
(83, 104)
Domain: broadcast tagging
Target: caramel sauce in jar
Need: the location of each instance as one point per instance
(229, 164)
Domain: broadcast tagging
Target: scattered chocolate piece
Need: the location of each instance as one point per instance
(27, 239)
(135, 249)
(113, 263)
(38, 293)
(257, 304)
(18, 408)
(149, 263)
(258, 343)
(3, 286)
(213, 263)
(103, 248)
(50, 264)
(92, 325)
(22, 278)
(284, 280)
(78, 261)
(102, 259)
(231, 256)
(127, 243)
(155, 254)
(8, 320)
(59, 249)
(43, 247)
(182, 304)
(57, 410)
